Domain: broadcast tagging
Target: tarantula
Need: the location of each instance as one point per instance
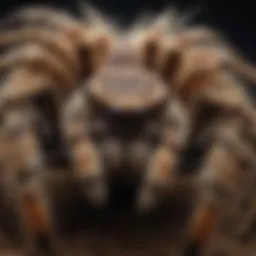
(113, 100)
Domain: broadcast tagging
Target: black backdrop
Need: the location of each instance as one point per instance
(237, 18)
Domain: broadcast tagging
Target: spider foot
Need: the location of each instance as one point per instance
(158, 180)
(202, 226)
(90, 174)
(40, 234)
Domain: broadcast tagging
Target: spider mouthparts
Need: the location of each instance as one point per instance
(96, 194)
(146, 201)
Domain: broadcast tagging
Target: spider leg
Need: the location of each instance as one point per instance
(84, 153)
(205, 216)
(160, 171)
(217, 181)
(165, 159)
(202, 224)
(27, 170)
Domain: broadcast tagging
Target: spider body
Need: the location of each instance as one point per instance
(116, 100)
(124, 107)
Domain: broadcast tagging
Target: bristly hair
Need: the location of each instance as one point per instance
(98, 23)
(166, 24)
(41, 14)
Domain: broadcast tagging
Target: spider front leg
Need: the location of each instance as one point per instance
(88, 165)
(162, 166)
(218, 181)
(203, 223)
(27, 169)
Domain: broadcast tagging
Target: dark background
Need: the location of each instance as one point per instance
(237, 19)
